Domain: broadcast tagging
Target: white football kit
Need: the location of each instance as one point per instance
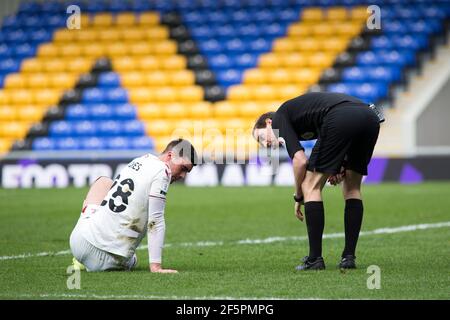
(133, 207)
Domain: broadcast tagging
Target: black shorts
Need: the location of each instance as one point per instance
(349, 132)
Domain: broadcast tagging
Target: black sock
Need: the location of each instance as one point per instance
(353, 220)
(315, 222)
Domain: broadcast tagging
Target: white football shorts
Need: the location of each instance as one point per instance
(92, 257)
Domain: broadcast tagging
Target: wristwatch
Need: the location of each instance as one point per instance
(298, 199)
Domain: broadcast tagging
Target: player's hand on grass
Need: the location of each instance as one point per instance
(156, 268)
(298, 211)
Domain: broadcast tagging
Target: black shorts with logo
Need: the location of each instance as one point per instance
(349, 132)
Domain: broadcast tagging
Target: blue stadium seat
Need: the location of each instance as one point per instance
(142, 143)
(133, 128)
(77, 112)
(220, 61)
(118, 143)
(108, 80)
(245, 61)
(229, 77)
(109, 128)
(84, 128)
(101, 111)
(260, 45)
(225, 31)
(93, 143)
(93, 95)
(43, 144)
(24, 51)
(235, 45)
(60, 128)
(116, 95)
(211, 47)
(39, 36)
(125, 111)
(68, 144)
(5, 51)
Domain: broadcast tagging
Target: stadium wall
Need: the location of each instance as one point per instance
(47, 173)
(432, 126)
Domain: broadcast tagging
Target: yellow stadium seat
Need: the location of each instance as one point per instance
(38, 80)
(268, 61)
(337, 13)
(165, 47)
(279, 76)
(236, 124)
(4, 98)
(186, 128)
(46, 96)
(156, 33)
(85, 21)
(149, 18)
(48, 50)
(14, 129)
(175, 110)
(31, 65)
(70, 50)
(125, 19)
(8, 113)
(239, 93)
(200, 110)
(102, 20)
(132, 34)
(225, 109)
(307, 44)
(156, 78)
(321, 60)
(53, 65)
(264, 92)
(190, 93)
(20, 97)
(141, 48)
(299, 30)
(141, 95)
(133, 79)
(305, 76)
(323, 30)
(165, 94)
(64, 35)
(30, 113)
(148, 63)
(14, 81)
(359, 13)
(116, 49)
(94, 50)
(348, 29)
(334, 45)
(255, 76)
(312, 14)
(174, 62)
(150, 111)
(86, 35)
(294, 59)
(182, 78)
(123, 64)
(109, 35)
(80, 65)
(286, 92)
(284, 45)
(5, 144)
(62, 80)
(249, 110)
(159, 127)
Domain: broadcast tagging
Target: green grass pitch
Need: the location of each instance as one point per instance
(414, 264)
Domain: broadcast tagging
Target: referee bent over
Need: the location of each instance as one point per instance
(346, 130)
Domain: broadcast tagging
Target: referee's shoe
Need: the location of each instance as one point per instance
(316, 264)
(348, 262)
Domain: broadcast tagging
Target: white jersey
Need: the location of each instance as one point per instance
(122, 218)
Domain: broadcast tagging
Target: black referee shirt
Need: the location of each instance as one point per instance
(300, 118)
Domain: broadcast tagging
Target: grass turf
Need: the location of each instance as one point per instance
(414, 265)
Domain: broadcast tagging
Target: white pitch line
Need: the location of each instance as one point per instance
(147, 297)
(407, 228)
